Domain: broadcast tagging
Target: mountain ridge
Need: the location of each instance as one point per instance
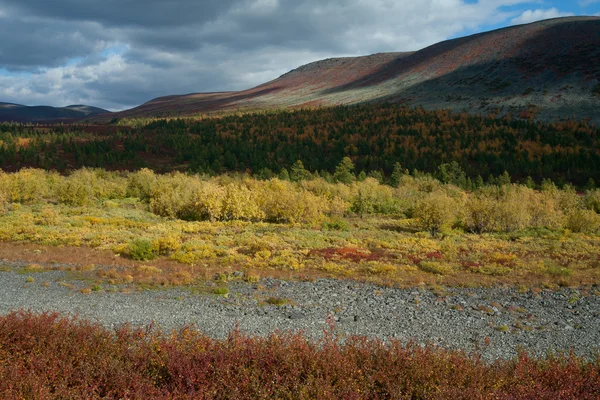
(11, 112)
(544, 70)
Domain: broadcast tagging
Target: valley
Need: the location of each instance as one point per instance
(420, 224)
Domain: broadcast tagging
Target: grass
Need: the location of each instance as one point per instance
(49, 356)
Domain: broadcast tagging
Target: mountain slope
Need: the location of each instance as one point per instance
(21, 113)
(549, 70)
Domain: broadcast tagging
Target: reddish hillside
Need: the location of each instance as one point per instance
(548, 70)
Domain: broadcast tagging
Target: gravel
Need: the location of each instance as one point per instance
(494, 322)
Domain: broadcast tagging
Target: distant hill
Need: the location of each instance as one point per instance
(46, 114)
(548, 70)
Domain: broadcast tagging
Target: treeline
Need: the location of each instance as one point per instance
(375, 137)
(433, 205)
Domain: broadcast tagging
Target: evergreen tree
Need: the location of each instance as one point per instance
(478, 182)
(504, 179)
(529, 182)
(284, 175)
(344, 172)
(397, 174)
(377, 175)
(362, 176)
(590, 185)
(299, 173)
(264, 174)
(452, 173)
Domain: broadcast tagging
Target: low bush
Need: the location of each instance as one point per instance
(47, 356)
(142, 250)
(434, 267)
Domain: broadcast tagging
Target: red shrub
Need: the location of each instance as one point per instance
(50, 357)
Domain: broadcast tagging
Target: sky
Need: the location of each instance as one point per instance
(117, 54)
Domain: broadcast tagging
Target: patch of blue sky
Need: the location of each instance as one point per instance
(115, 50)
(6, 72)
(574, 7)
(74, 61)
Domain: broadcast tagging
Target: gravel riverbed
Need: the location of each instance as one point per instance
(496, 322)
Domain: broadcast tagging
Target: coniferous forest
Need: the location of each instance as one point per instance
(375, 137)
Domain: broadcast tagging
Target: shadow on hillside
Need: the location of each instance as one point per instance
(543, 51)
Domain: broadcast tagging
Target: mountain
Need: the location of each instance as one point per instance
(46, 114)
(548, 70)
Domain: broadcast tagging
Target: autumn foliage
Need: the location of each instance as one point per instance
(50, 357)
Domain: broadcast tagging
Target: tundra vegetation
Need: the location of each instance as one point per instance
(322, 193)
(51, 357)
(181, 228)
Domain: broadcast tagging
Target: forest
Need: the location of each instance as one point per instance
(374, 137)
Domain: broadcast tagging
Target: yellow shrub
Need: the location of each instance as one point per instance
(586, 221)
(109, 185)
(436, 211)
(4, 193)
(337, 207)
(140, 184)
(206, 202)
(511, 212)
(76, 189)
(168, 244)
(48, 216)
(591, 200)
(334, 268)
(494, 270)
(172, 194)
(478, 213)
(438, 268)
(195, 252)
(544, 211)
(378, 268)
(372, 197)
(28, 186)
(286, 260)
(240, 203)
(568, 199)
(282, 201)
(320, 187)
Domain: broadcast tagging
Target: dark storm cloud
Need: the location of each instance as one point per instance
(147, 13)
(120, 53)
(28, 44)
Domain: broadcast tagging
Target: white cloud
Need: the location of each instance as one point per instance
(538, 15)
(585, 3)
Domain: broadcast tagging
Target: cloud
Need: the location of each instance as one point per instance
(538, 15)
(67, 47)
(585, 3)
